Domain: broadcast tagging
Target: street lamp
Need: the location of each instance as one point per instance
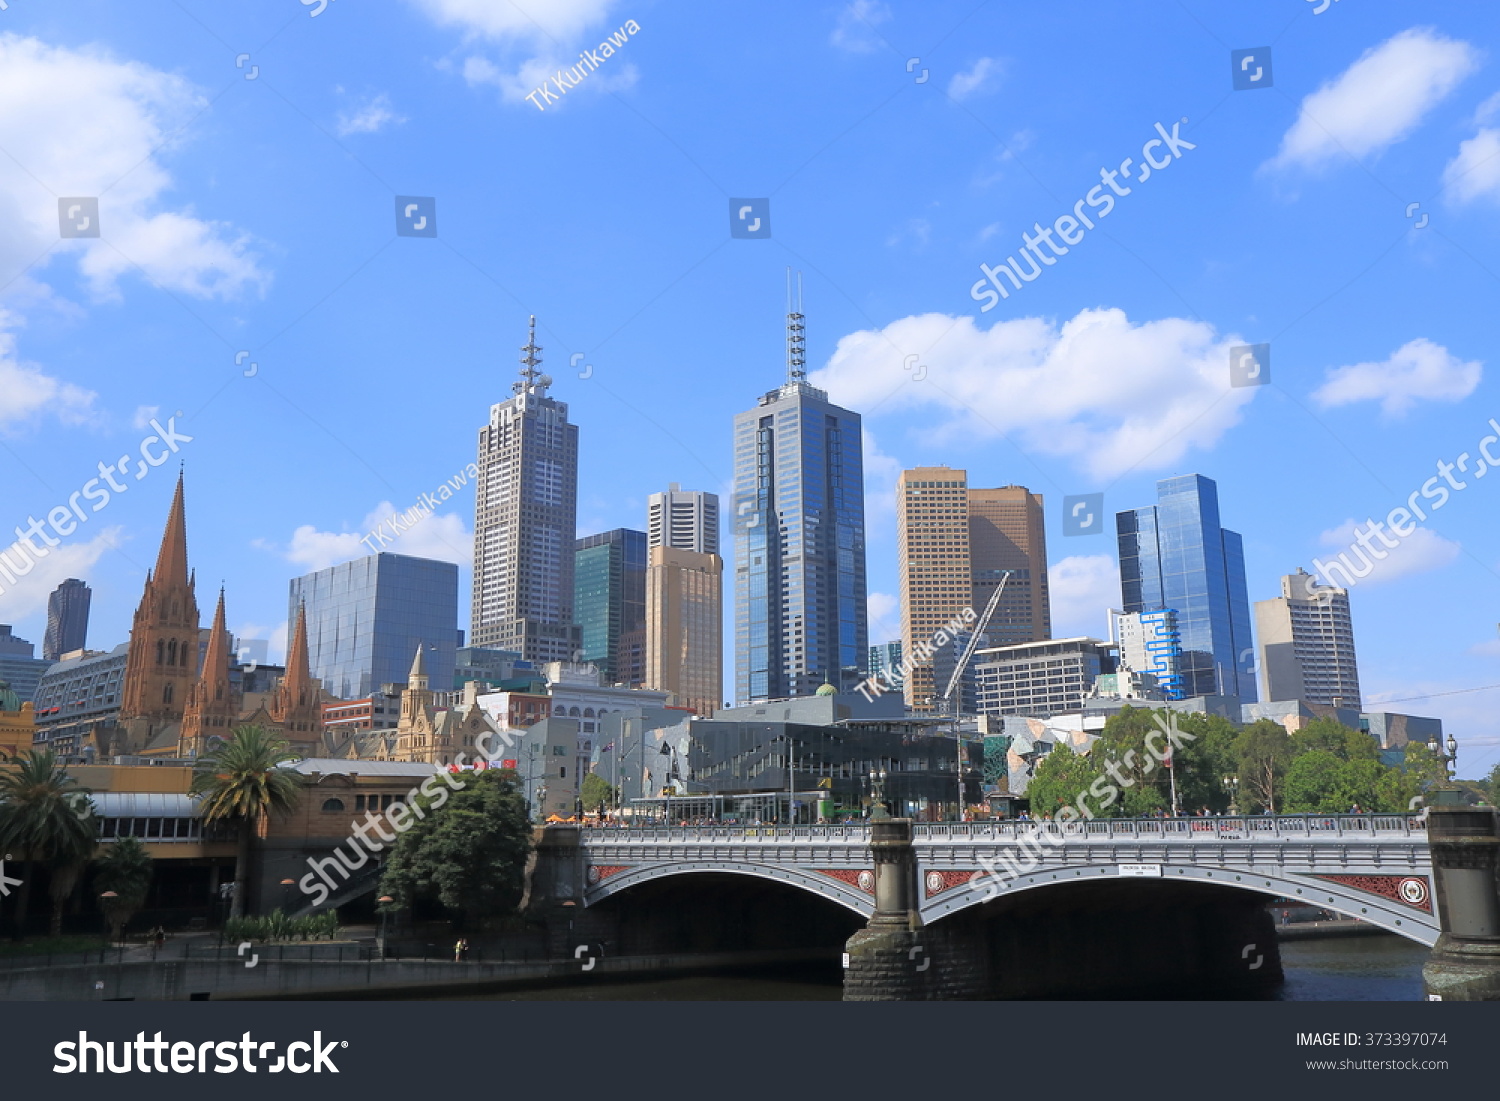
(108, 895)
(285, 883)
(1232, 785)
(877, 795)
(384, 901)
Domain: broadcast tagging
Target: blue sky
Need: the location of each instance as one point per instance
(258, 215)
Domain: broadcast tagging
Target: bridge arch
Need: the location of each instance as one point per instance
(826, 887)
(1393, 917)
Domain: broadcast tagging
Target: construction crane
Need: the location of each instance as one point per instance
(958, 671)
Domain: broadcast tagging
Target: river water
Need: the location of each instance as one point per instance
(1369, 968)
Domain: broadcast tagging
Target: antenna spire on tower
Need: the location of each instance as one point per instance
(530, 376)
(796, 342)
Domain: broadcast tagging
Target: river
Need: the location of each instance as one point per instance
(1370, 968)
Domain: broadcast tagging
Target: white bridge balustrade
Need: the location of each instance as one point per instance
(1375, 867)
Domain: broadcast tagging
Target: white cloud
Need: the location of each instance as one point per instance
(881, 472)
(1378, 100)
(885, 617)
(1083, 587)
(144, 415)
(1420, 552)
(28, 595)
(85, 124)
(855, 31)
(1105, 393)
(504, 21)
(1418, 370)
(1475, 171)
(443, 536)
(368, 118)
(27, 393)
(983, 77)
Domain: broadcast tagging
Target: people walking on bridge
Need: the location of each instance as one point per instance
(461, 950)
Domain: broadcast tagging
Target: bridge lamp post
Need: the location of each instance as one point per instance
(878, 810)
(384, 900)
(1448, 760)
(1232, 785)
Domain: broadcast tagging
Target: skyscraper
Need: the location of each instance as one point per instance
(67, 619)
(19, 667)
(685, 598)
(1174, 554)
(525, 521)
(799, 527)
(1306, 643)
(1149, 643)
(685, 519)
(365, 619)
(609, 604)
(954, 543)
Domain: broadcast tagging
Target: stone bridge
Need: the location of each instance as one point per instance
(1026, 909)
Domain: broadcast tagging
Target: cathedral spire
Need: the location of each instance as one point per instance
(298, 667)
(171, 560)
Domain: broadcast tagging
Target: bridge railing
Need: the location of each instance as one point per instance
(1243, 828)
(852, 834)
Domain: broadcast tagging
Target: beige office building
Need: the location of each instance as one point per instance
(1306, 644)
(954, 543)
(684, 627)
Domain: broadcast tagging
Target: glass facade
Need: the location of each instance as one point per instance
(365, 619)
(1175, 554)
(609, 603)
(799, 527)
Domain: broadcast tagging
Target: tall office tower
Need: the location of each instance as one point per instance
(1306, 644)
(365, 619)
(1006, 532)
(525, 522)
(933, 557)
(954, 543)
(609, 604)
(1174, 554)
(162, 665)
(67, 619)
(685, 519)
(1149, 643)
(19, 667)
(684, 627)
(885, 661)
(799, 526)
(684, 599)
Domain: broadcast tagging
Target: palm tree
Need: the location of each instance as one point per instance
(47, 816)
(240, 782)
(125, 870)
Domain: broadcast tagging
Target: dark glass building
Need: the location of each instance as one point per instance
(1175, 554)
(609, 603)
(67, 619)
(365, 619)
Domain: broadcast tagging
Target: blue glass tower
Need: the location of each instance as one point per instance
(1174, 554)
(609, 603)
(799, 540)
(365, 619)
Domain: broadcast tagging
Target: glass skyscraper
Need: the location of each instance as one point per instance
(67, 619)
(799, 531)
(1174, 554)
(365, 619)
(609, 603)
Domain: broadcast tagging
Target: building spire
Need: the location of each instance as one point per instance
(171, 560)
(298, 667)
(532, 380)
(795, 340)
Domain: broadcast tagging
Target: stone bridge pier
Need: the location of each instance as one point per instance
(1465, 963)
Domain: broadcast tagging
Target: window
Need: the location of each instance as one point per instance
(333, 805)
(559, 751)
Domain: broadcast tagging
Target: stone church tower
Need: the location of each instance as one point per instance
(213, 705)
(162, 663)
(297, 708)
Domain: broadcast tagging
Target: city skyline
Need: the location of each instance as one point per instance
(1110, 356)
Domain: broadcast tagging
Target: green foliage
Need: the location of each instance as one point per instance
(125, 869)
(468, 853)
(1422, 766)
(1493, 786)
(1203, 763)
(277, 926)
(1334, 737)
(596, 792)
(1320, 782)
(1058, 779)
(47, 816)
(1263, 751)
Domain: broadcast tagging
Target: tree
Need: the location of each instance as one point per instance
(240, 782)
(468, 851)
(1334, 737)
(1319, 782)
(1493, 783)
(46, 815)
(1264, 751)
(1058, 780)
(1203, 763)
(125, 869)
(1422, 767)
(596, 792)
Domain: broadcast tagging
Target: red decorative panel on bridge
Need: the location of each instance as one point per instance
(1407, 889)
(862, 880)
(938, 882)
(598, 872)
